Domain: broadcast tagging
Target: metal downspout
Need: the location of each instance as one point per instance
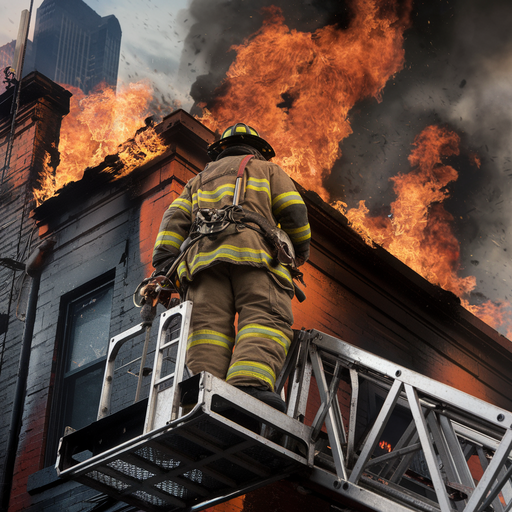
(34, 266)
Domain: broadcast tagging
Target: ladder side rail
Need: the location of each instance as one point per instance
(487, 413)
(444, 450)
(299, 384)
(335, 428)
(165, 318)
(291, 361)
(299, 381)
(160, 411)
(181, 357)
(352, 419)
(428, 449)
(113, 349)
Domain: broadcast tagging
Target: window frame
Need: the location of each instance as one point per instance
(58, 394)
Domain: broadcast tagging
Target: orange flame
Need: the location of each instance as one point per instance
(95, 127)
(297, 88)
(419, 231)
(497, 316)
(384, 445)
(46, 186)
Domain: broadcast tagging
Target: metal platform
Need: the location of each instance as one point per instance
(197, 460)
(451, 450)
(383, 437)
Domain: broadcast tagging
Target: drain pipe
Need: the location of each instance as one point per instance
(33, 267)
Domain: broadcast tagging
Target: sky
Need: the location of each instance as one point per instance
(457, 73)
(151, 44)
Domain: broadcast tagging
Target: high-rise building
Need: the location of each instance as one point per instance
(74, 45)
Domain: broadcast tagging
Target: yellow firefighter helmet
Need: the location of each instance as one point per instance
(240, 133)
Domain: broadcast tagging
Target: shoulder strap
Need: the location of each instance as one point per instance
(239, 176)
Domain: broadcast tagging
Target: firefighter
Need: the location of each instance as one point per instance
(230, 267)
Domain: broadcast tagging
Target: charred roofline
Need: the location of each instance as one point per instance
(373, 270)
(392, 289)
(179, 131)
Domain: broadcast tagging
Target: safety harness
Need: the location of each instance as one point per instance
(210, 222)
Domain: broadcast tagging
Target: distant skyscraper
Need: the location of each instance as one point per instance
(74, 45)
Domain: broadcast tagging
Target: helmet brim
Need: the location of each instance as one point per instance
(215, 149)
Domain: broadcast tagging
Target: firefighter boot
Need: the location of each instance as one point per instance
(265, 396)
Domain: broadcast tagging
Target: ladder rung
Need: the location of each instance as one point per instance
(164, 379)
(168, 344)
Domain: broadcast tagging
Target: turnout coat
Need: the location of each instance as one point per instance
(266, 190)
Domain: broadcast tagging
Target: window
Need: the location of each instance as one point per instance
(84, 327)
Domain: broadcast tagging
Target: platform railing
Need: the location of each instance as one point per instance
(365, 429)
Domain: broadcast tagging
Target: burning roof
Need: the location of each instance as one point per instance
(299, 89)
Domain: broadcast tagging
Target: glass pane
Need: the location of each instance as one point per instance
(83, 392)
(88, 336)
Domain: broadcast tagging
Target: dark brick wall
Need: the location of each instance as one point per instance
(362, 295)
(38, 124)
(112, 230)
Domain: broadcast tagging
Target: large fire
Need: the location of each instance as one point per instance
(297, 88)
(305, 85)
(419, 230)
(98, 125)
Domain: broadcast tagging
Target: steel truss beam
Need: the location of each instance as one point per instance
(203, 442)
(447, 428)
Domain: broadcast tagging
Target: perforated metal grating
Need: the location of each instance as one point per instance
(190, 464)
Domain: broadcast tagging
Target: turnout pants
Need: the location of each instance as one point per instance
(255, 354)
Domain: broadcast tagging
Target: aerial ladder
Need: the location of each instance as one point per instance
(195, 442)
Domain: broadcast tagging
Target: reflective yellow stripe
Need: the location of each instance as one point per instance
(287, 204)
(209, 337)
(282, 201)
(259, 185)
(169, 234)
(252, 369)
(261, 331)
(213, 196)
(294, 234)
(237, 255)
(298, 230)
(182, 204)
(169, 238)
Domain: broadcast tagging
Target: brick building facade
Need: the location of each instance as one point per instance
(103, 230)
